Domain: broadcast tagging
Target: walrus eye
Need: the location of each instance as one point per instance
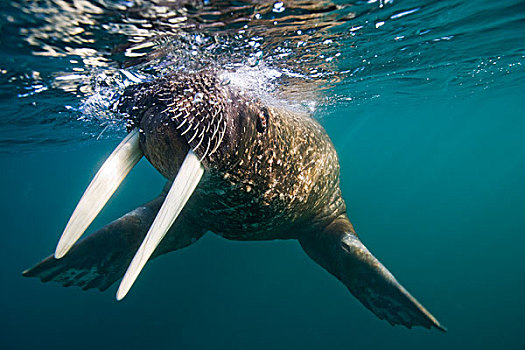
(262, 120)
(104, 184)
(185, 182)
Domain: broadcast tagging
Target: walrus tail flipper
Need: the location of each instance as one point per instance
(341, 253)
(102, 258)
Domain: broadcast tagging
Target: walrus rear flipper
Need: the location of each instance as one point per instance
(341, 253)
(102, 258)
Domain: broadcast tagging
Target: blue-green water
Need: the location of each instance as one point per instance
(426, 112)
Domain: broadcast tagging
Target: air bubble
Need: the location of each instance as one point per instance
(278, 7)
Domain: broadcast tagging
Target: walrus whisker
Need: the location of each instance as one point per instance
(188, 129)
(201, 137)
(182, 123)
(194, 135)
(104, 184)
(185, 182)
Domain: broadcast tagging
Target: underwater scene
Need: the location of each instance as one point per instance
(424, 102)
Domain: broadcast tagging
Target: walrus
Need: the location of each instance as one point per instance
(237, 167)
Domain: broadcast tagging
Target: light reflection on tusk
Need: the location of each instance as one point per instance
(104, 184)
(185, 182)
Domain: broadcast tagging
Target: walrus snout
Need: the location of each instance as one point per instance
(162, 143)
(176, 113)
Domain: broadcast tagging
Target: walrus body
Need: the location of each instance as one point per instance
(269, 173)
(272, 172)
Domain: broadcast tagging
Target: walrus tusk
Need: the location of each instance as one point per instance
(185, 182)
(104, 184)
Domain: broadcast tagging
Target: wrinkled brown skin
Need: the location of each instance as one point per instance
(274, 174)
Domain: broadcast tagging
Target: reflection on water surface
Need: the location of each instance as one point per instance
(73, 58)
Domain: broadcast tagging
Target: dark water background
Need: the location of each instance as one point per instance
(424, 101)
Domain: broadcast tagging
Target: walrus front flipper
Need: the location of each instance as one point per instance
(341, 253)
(101, 258)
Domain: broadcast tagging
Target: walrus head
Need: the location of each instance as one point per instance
(183, 124)
(198, 112)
